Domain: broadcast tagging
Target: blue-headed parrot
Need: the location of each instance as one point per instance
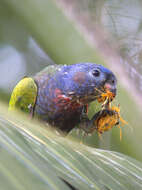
(60, 94)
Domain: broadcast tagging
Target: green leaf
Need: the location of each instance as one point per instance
(34, 157)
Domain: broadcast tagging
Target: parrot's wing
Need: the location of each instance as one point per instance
(24, 95)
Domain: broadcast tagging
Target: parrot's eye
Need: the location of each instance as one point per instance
(113, 81)
(96, 73)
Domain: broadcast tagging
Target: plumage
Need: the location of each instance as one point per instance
(61, 92)
(24, 95)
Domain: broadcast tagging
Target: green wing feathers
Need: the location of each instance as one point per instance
(24, 95)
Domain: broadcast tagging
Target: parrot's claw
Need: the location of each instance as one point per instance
(87, 126)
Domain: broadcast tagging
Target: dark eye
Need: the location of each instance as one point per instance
(96, 73)
(113, 81)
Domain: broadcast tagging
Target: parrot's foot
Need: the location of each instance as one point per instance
(101, 121)
(86, 126)
(85, 122)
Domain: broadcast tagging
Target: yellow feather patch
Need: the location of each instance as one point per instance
(24, 95)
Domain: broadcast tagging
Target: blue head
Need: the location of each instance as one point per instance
(85, 81)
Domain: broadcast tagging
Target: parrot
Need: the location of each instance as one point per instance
(60, 94)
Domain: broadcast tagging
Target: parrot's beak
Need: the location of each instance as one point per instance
(113, 91)
(111, 88)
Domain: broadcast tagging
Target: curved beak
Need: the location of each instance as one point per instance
(111, 88)
(114, 91)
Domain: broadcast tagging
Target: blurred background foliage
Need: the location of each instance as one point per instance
(34, 34)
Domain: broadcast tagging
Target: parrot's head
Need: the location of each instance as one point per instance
(86, 81)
